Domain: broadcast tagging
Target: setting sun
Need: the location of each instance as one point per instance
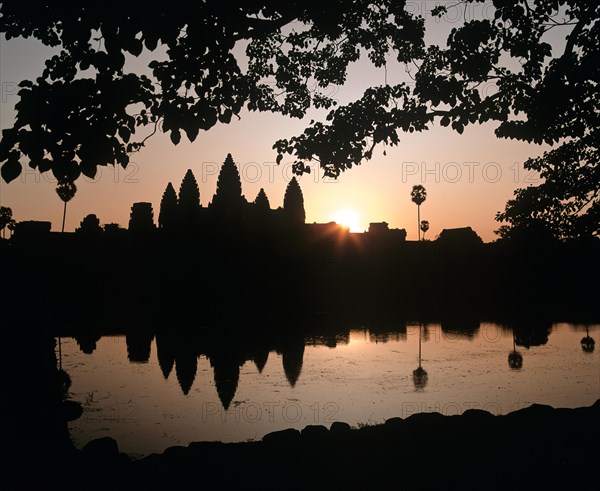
(347, 218)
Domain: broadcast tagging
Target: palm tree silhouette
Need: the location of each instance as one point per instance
(587, 343)
(424, 227)
(418, 196)
(515, 359)
(419, 374)
(65, 190)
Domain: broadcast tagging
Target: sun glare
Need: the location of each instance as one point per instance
(347, 218)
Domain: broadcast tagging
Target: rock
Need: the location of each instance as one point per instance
(340, 428)
(395, 422)
(199, 448)
(477, 415)
(101, 447)
(535, 411)
(283, 437)
(314, 432)
(426, 419)
(176, 452)
(71, 410)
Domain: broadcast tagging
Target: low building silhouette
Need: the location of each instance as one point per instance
(462, 236)
(31, 230)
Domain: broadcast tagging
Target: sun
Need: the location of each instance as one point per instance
(347, 218)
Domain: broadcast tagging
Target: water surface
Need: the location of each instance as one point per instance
(151, 392)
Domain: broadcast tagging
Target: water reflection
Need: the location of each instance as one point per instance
(231, 386)
(165, 352)
(138, 346)
(531, 333)
(587, 343)
(179, 351)
(420, 374)
(515, 359)
(87, 342)
(461, 327)
(292, 351)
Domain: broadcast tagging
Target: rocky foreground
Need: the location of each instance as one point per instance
(537, 447)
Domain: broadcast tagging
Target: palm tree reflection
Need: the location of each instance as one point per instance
(419, 375)
(515, 359)
(587, 343)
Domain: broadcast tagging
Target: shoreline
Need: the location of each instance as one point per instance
(538, 445)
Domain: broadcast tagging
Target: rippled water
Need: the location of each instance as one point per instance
(151, 392)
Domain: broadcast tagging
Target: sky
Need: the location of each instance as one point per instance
(468, 177)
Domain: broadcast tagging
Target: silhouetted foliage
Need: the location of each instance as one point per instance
(66, 191)
(463, 237)
(167, 217)
(566, 204)
(424, 227)
(530, 234)
(6, 219)
(418, 195)
(293, 203)
(542, 94)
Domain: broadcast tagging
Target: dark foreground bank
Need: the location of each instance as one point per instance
(537, 446)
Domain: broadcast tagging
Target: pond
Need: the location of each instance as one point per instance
(150, 392)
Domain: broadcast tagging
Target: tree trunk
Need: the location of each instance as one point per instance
(64, 216)
(419, 345)
(419, 221)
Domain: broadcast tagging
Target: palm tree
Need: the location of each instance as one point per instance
(418, 196)
(65, 190)
(424, 227)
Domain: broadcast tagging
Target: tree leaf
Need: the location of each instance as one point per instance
(11, 170)
(175, 136)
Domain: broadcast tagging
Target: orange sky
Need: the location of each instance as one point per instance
(468, 177)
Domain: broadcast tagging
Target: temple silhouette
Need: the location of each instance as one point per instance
(229, 215)
(236, 259)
